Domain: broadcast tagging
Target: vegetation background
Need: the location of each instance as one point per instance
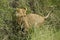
(9, 30)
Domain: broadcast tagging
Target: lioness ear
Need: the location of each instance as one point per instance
(17, 9)
(25, 9)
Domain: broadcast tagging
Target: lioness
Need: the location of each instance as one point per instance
(29, 20)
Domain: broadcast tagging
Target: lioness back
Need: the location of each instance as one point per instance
(35, 20)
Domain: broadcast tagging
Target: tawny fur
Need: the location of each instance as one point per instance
(29, 20)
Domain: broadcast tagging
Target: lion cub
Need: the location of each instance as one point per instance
(29, 20)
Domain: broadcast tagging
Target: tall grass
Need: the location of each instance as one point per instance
(10, 30)
(43, 33)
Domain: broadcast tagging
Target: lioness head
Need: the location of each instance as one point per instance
(20, 12)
